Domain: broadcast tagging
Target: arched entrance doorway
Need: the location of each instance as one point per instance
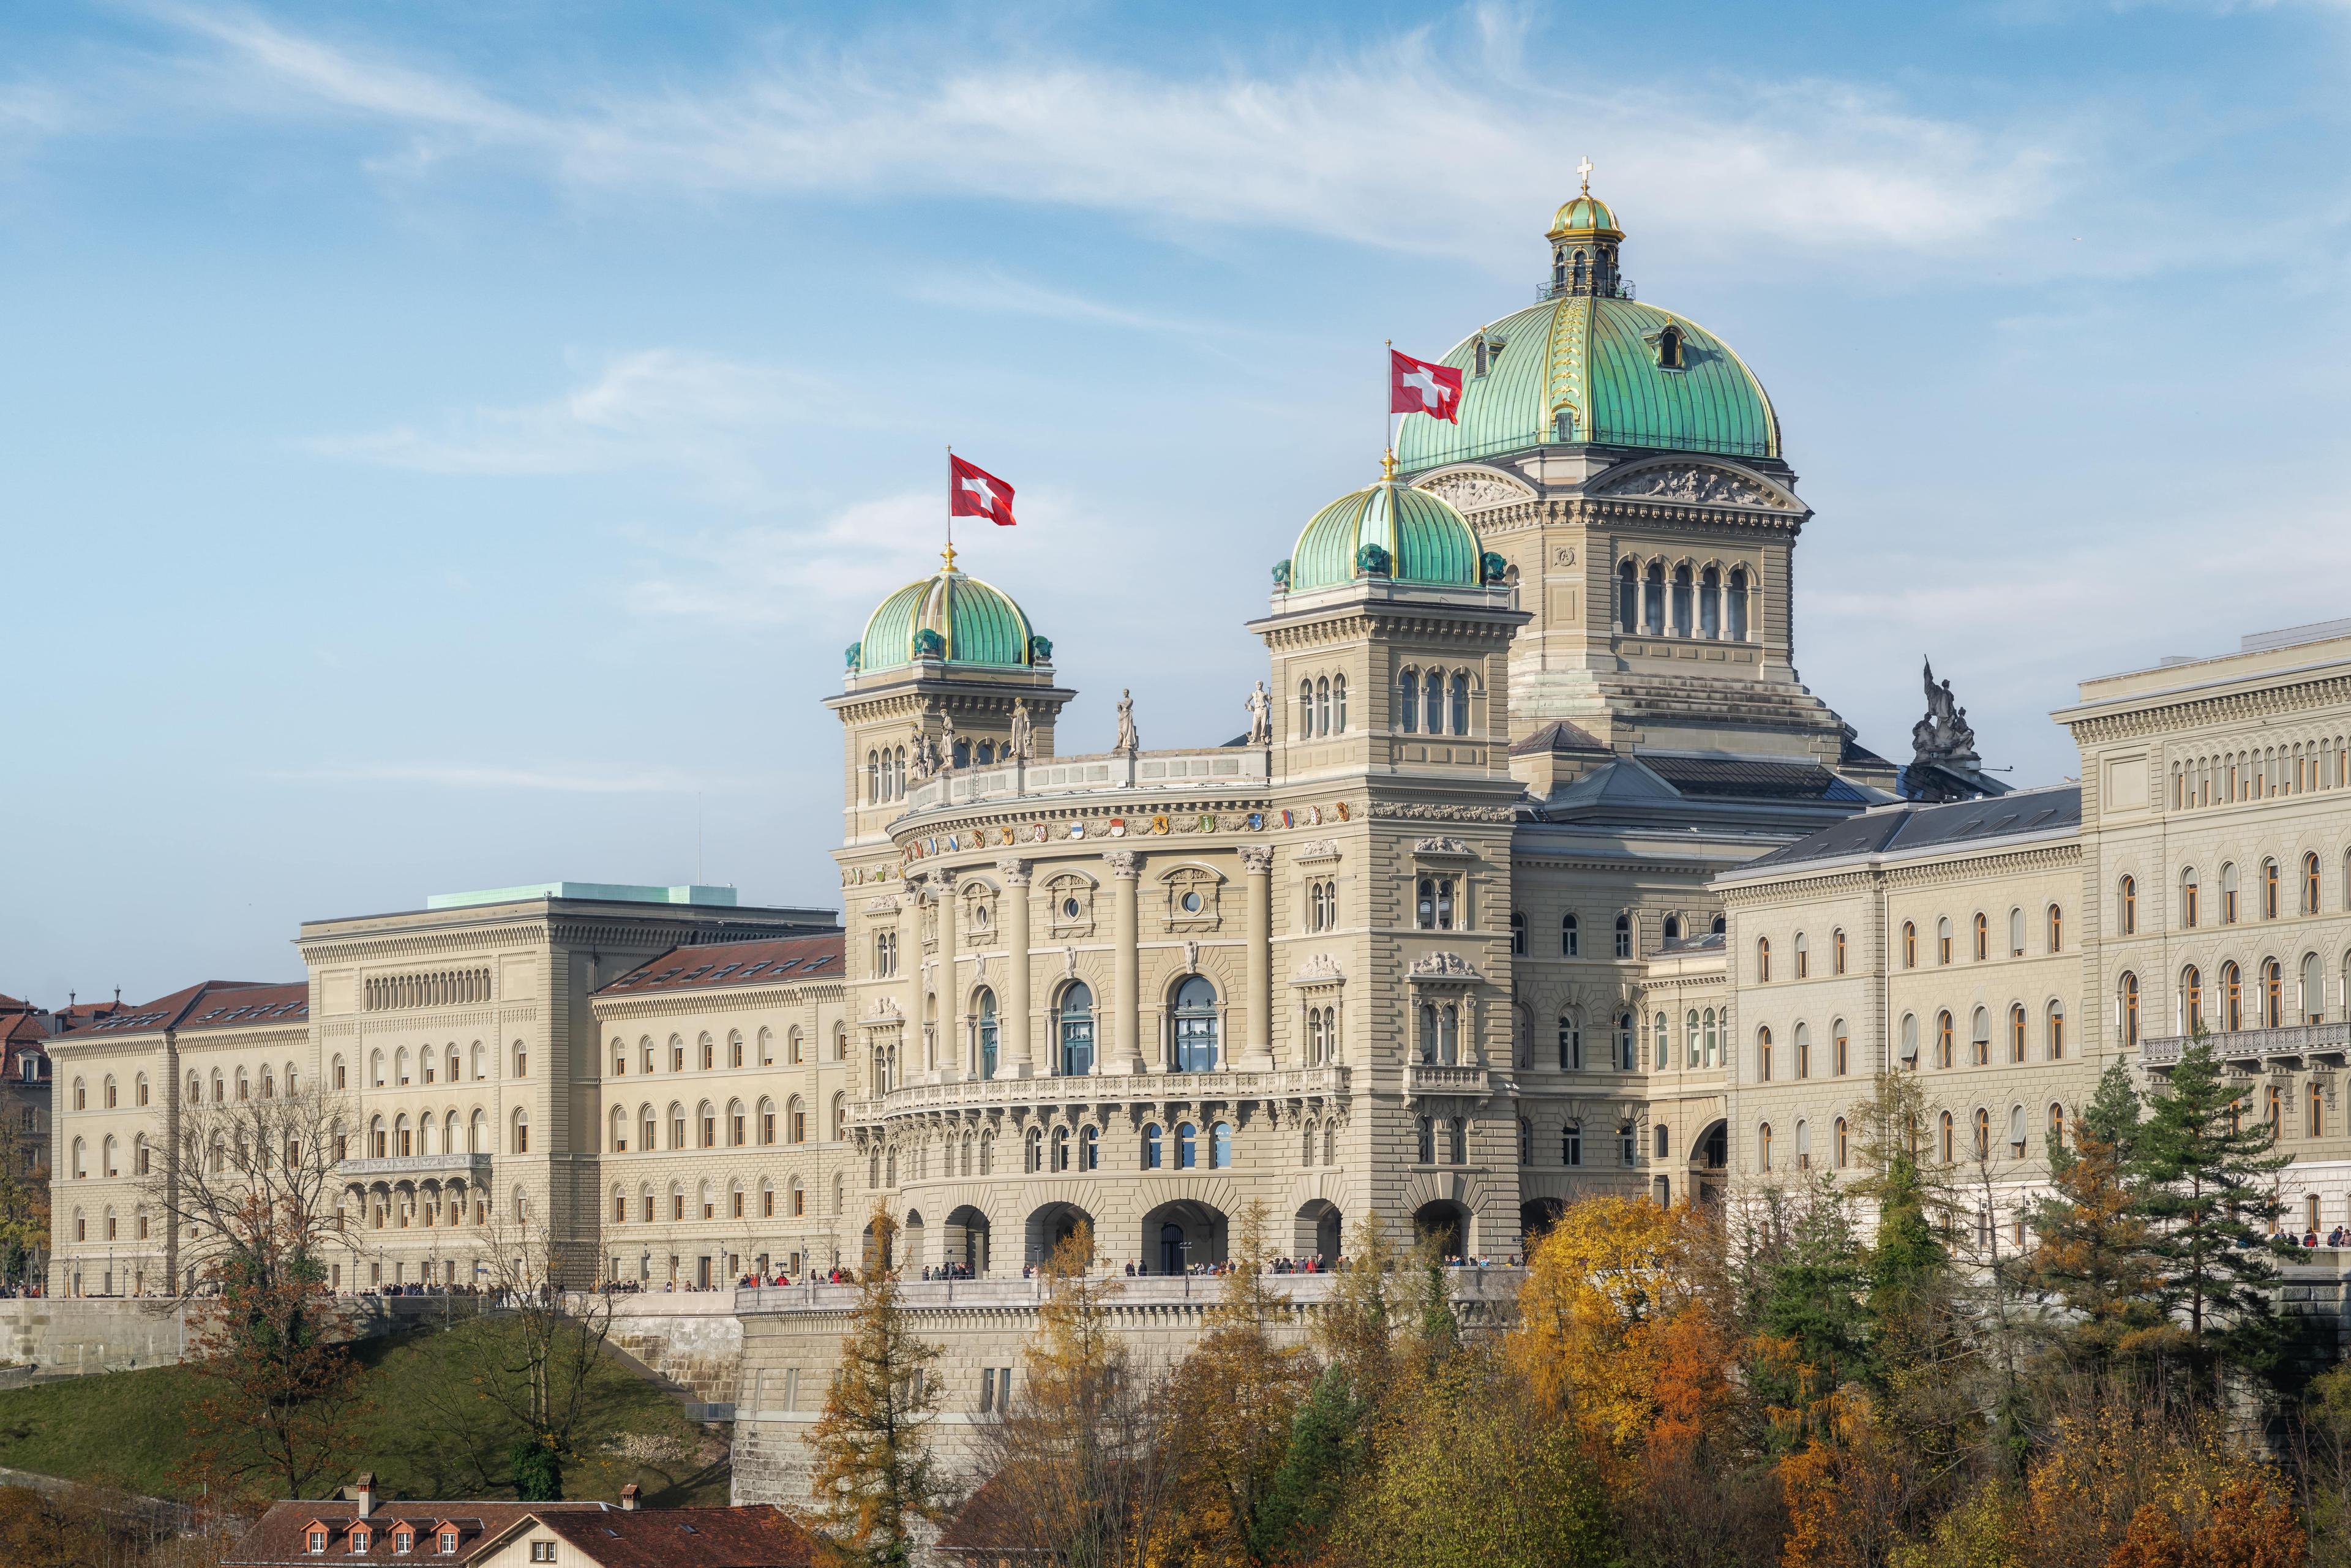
(876, 1253)
(1709, 1164)
(1321, 1231)
(1177, 1235)
(912, 1238)
(1053, 1224)
(1536, 1217)
(965, 1242)
(1442, 1227)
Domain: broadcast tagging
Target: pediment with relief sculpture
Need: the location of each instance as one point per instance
(1697, 484)
(1475, 490)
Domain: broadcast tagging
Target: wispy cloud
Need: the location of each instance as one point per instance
(990, 290)
(1426, 143)
(583, 780)
(660, 408)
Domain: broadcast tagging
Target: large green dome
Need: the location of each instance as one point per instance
(1589, 366)
(950, 617)
(1420, 539)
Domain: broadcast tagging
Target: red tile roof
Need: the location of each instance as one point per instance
(768, 962)
(755, 1536)
(760, 1536)
(251, 1006)
(171, 1011)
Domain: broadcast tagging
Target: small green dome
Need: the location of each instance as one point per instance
(1390, 530)
(1587, 213)
(951, 617)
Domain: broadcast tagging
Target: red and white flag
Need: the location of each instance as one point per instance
(1415, 386)
(974, 492)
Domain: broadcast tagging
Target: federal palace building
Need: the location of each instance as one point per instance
(1540, 874)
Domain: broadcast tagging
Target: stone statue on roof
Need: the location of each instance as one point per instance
(921, 756)
(1023, 744)
(1260, 712)
(1126, 744)
(1943, 733)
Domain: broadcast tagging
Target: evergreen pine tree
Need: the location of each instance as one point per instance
(1320, 1465)
(2095, 1252)
(874, 1471)
(2203, 1170)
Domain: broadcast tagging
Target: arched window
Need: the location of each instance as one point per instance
(2270, 891)
(1196, 1026)
(1804, 1144)
(1624, 936)
(1946, 1144)
(1569, 937)
(1339, 704)
(1946, 1054)
(2126, 1005)
(1518, 933)
(1710, 603)
(1838, 1063)
(1433, 704)
(1627, 1044)
(1911, 1040)
(522, 1058)
(1571, 1043)
(1629, 597)
(1909, 945)
(2191, 1000)
(1089, 1149)
(1836, 951)
(1322, 706)
(1764, 1054)
(2316, 1124)
(1077, 1030)
(1457, 1141)
(1682, 600)
(1408, 701)
(1983, 1133)
(987, 1031)
(2272, 994)
(677, 1125)
(1460, 704)
(2190, 914)
(1983, 937)
(620, 1130)
(1804, 949)
(1980, 1038)
(1220, 1147)
(2056, 1026)
(1061, 1149)
(2127, 905)
(2016, 933)
(521, 1142)
(1943, 940)
(2016, 1031)
(2313, 990)
(1306, 710)
(1764, 1147)
(1840, 1139)
(1653, 600)
(2232, 997)
(1763, 961)
(1734, 606)
(1187, 1152)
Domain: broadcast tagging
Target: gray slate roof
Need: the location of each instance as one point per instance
(1915, 829)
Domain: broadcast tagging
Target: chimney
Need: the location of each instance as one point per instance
(629, 1497)
(363, 1493)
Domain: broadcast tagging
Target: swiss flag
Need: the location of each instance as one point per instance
(974, 492)
(1415, 386)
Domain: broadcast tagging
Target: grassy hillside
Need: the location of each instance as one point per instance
(129, 1430)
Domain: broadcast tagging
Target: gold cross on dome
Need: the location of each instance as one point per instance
(1583, 171)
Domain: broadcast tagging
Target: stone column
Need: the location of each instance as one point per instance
(1256, 865)
(950, 1045)
(1016, 1058)
(1125, 1053)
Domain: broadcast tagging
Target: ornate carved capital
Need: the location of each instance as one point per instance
(1257, 859)
(1015, 873)
(944, 882)
(1124, 863)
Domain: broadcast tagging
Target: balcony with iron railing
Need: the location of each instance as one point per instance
(1291, 1083)
(2326, 1043)
(439, 1167)
(1220, 769)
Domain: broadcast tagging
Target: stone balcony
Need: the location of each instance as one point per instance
(981, 1095)
(439, 1167)
(1499, 1284)
(1427, 1081)
(2310, 1045)
(1220, 769)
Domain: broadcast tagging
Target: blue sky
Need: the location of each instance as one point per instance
(448, 445)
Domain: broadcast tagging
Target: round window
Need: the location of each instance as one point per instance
(979, 915)
(1191, 902)
(1068, 909)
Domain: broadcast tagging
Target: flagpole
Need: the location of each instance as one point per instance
(1387, 399)
(950, 552)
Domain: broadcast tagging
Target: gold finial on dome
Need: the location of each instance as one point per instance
(1388, 463)
(948, 555)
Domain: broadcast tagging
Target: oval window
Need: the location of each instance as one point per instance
(1191, 904)
(1068, 909)
(979, 915)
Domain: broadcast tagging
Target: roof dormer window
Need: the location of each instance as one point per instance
(1477, 351)
(1669, 348)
